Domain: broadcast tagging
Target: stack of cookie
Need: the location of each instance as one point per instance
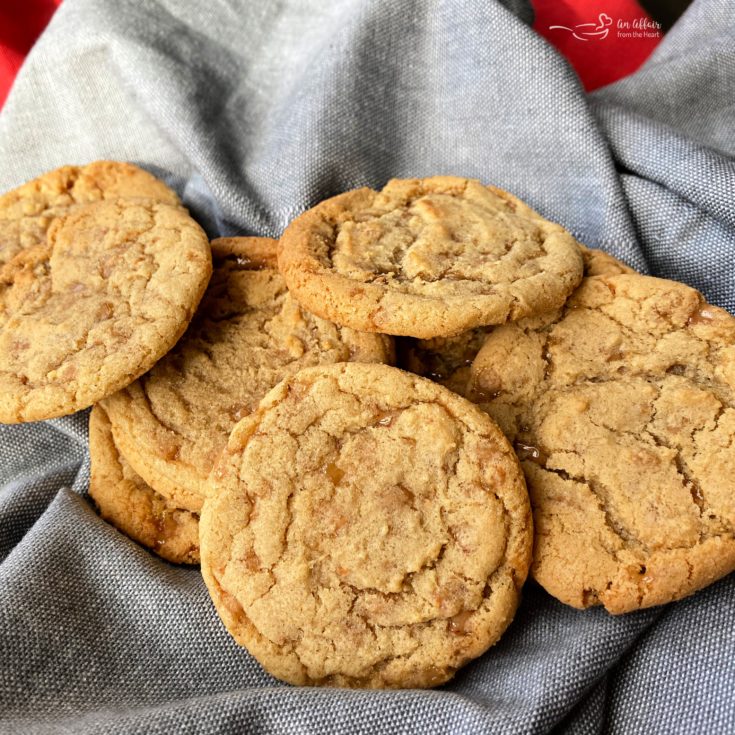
(364, 524)
(616, 389)
(170, 426)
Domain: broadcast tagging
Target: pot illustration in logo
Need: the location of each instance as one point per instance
(587, 31)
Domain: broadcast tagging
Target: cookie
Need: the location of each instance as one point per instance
(247, 336)
(124, 500)
(27, 212)
(365, 528)
(599, 263)
(447, 360)
(105, 295)
(621, 408)
(427, 258)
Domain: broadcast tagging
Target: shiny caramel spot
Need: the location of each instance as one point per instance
(458, 623)
(386, 418)
(529, 452)
(703, 315)
(334, 473)
(166, 526)
(237, 412)
(645, 458)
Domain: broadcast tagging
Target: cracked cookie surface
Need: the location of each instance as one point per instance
(366, 528)
(621, 407)
(27, 212)
(83, 313)
(133, 507)
(247, 335)
(427, 258)
(447, 360)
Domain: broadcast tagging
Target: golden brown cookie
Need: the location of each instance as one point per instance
(366, 528)
(622, 410)
(27, 212)
(105, 295)
(247, 336)
(124, 500)
(599, 263)
(427, 258)
(447, 360)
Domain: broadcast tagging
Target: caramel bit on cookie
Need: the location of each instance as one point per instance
(386, 418)
(529, 452)
(334, 473)
(459, 624)
(238, 411)
(703, 315)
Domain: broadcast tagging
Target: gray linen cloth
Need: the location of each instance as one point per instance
(254, 111)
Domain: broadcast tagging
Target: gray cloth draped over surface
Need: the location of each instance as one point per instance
(253, 112)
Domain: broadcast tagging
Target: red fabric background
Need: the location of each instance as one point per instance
(20, 24)
(598, 61)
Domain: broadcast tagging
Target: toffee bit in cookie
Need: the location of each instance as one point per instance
(529, 452)
(386, 418)
(704, 315)
(334, 473)
(458, 624)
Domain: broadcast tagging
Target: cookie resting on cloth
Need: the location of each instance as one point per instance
(621, 407)
(447, 360)
(366, 528)
(27, 212)
(427, 258)
(124, 500)
(106, 294)
(247, 335)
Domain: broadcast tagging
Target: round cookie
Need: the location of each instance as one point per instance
(247, 336)
(427, 258)
(124, 500)
(106, 294)
(27, 212)
(447, 360)
(366, 528)
(622, 410)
